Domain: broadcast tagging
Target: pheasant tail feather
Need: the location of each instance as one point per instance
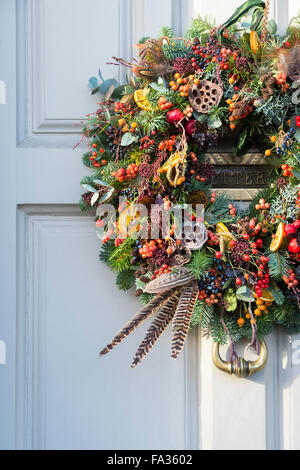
(182, 317)
(157, 327)
(178, 277)
(136, 320)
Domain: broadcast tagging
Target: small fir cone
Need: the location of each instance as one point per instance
(269, 81)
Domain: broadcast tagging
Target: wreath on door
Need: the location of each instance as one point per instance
(235, 272)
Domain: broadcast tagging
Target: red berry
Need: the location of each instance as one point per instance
(218, 255)
(238, 281)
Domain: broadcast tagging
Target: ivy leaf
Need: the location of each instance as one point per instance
(127, 139)
(245, 294)
(231, 300)
(89, 188)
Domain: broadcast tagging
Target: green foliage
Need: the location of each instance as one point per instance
(201, 261)
(83, 206)
(283, 313)
(125, 279)
(200, 28)
(167, 32)
(86, 160)
(120, 258)
(264, 327)
(152, 121)
(176, 48)
(106, 251)
(218, 211)
(278, 264)
(277, 294)
(266, 193)
(180, 194)
(202, 314)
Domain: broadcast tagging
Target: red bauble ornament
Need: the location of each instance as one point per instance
(290, 231)
(174, 116)
(191, 127)
(294, 247)
(297, 224)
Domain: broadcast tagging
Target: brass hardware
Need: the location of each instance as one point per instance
(241, 367)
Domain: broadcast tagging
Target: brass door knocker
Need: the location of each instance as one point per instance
(240, 367)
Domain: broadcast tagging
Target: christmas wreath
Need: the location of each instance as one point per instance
(147, 146)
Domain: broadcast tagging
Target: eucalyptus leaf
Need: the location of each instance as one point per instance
(200, 117)
(272, 27)
(100, 182)
(106, 196)
(245, 294)
(128, 90)
(94, 198)
(297, 156)
(214, 122)
(158, 87)
(93, 82)
(127, 139)
(296, 173)
(297, 134)
(89, 188)
(95, 90)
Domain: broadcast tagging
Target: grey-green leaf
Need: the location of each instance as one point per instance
(245, 294)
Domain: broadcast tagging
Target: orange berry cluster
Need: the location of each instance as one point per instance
(167, 144)
(281, 80)
(232, 210)
(164, 104)
(188, 112)
(262, 206)
(247, 109)
(148, 248)
(179, 82)
(130, 173)
(287, 170)
(127, 127)
(262, 307)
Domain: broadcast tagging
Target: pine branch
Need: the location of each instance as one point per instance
(125, 279)
(120, 259)
(202, 314)
(200, 263)
(278, 264)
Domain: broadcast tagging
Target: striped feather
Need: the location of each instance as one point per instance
(178, 277)
(157, 327)
(182, 317)
(148, 310)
